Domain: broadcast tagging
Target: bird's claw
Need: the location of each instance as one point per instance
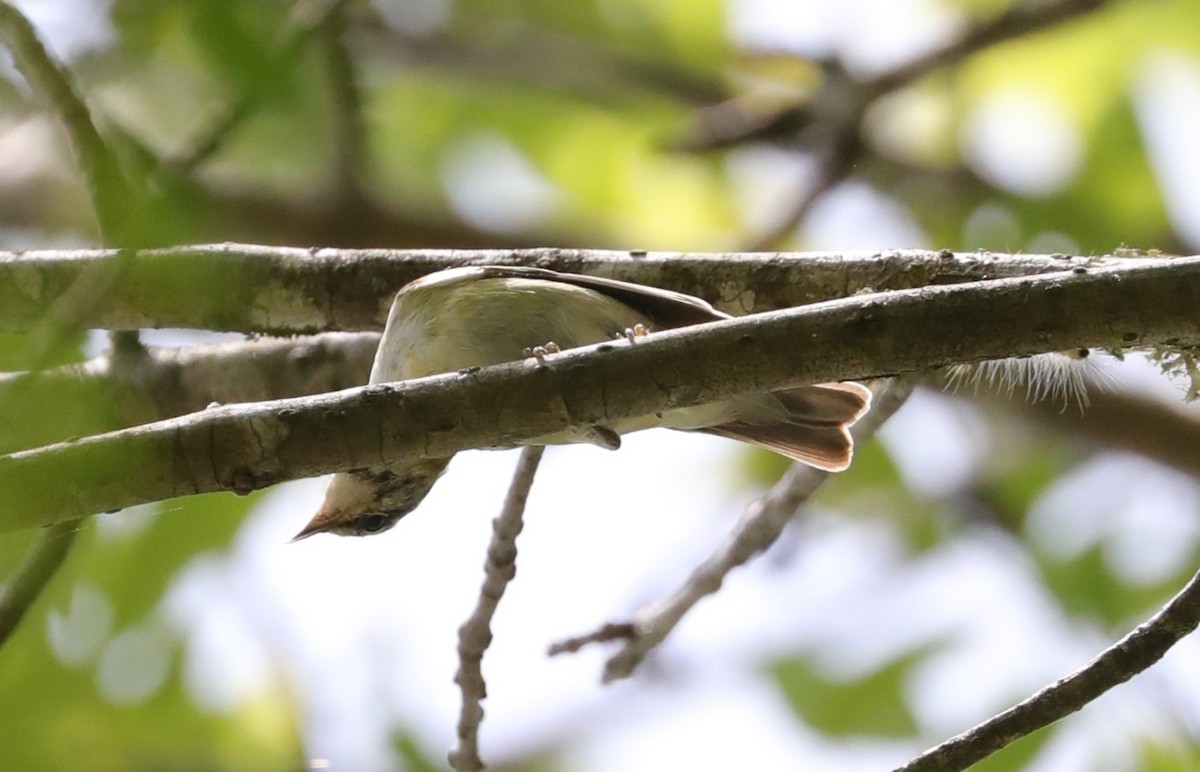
(632, 334)
(541, 352)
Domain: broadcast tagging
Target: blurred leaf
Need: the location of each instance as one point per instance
(873, 704)
(1086, 586)
(1174, 754)
(136, 569)
(411, 753)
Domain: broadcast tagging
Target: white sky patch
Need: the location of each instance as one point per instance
(1022, 142)
(1166, 100)
(134, 664)
(766, 183)
(69, 28)
(936, 447)
(76, 636)
(863, 32)
(493, 186)
(855, 216)
(416, 17)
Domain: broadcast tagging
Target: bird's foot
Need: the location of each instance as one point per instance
(541, 352)
(632, 334)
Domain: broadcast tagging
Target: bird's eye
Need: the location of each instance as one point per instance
(374, 522)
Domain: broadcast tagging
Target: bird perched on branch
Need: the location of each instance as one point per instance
(478, 316)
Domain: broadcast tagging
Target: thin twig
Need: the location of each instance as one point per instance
(759, 528)
(475, 635)
(34, 573)
(1134, 653)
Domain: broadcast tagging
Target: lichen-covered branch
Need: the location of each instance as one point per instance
(245, 447)
(252, 288)
(115, 391)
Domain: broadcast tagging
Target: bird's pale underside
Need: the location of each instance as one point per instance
(478, 316)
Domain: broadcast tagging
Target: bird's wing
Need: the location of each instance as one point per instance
(662, 308)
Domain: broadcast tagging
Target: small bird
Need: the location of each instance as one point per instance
(484, 315)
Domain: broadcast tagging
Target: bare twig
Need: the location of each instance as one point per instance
(759, 528)
(1134, 653)
(246, 447)
(475, 635)
(34, 573)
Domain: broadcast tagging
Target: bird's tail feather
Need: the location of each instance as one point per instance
(814, 429)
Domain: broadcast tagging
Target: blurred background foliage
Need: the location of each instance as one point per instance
(652, 124)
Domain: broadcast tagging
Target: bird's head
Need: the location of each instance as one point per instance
(367, 502)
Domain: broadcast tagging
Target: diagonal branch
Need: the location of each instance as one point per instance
(253, 288)
(759, 528)
(18, 594)
(1134, 653)
(246, 447)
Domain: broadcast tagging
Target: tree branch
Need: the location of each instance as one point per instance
(1134, 653)
(475, 635)
(105, 394)
(256, 288)
(759, 528)
(245, 447)
(31, 577)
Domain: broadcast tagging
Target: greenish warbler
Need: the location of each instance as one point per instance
(478, 316)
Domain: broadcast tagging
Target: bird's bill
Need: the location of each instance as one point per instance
(320, 523)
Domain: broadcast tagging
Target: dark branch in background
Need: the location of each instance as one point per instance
(840, 102)
(19, 593)
(475, 635)
(828, 122)
(1131, 655)
(1165, 431)
(833, 164)
(243, 448)
(210, 210)
(286, 289)
(306, 18)
(507, 51)
(1014, 22)
(349, 130)
(759, 528)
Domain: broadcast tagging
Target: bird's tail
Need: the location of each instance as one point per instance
(812, 427)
